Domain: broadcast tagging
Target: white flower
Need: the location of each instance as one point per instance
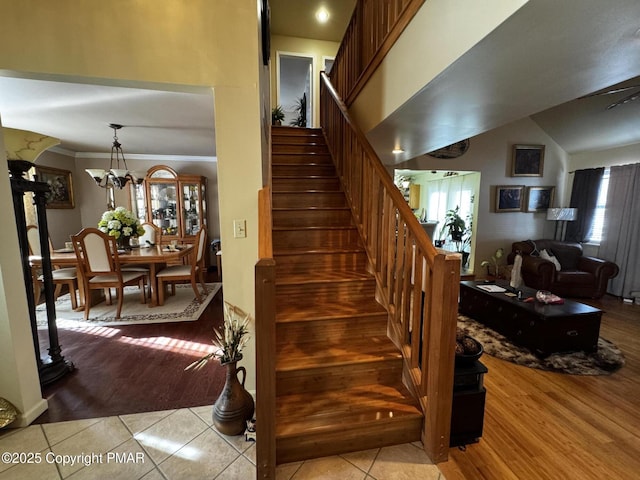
(114, 225)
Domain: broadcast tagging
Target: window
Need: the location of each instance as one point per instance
(595, 234)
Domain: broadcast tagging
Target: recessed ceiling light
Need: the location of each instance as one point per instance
(322, 15)
(396, 151)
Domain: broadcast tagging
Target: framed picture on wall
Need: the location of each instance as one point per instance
(509, 198)
(59, 181)
(527, 161)
(539, 199)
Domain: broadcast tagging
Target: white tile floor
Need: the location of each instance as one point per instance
(179, 445)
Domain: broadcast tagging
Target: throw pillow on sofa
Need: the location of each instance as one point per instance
(550, 257)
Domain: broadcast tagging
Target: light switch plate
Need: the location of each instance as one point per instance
(239, 228)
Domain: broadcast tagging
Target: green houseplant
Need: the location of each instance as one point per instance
(455, 226)
(301, 109)
(277, 115)
(494, 262)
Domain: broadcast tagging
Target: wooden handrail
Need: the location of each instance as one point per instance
(265, 223)
(265, 328)
(416, 283)
(374, 27)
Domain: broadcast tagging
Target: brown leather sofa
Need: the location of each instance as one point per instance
(579, 276)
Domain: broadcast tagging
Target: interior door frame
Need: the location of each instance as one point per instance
(312, 85)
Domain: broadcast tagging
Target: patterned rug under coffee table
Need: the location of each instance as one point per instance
(606, 360)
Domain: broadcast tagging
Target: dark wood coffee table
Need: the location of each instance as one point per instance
(543, 329)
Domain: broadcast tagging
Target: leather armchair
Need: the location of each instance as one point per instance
(579, 276)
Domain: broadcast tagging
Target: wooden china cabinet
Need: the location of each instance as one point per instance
(174, 202)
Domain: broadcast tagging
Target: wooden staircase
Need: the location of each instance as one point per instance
(338, 376)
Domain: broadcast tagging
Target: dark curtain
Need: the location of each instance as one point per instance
(621, 232)
(584, 197)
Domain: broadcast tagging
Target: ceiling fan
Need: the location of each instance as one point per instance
(629, 98)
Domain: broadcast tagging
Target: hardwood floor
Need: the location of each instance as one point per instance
(543, 425)
(135, 368)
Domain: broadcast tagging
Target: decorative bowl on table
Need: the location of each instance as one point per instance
(546, 297)
(468, 350)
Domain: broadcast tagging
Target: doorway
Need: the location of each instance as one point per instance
(440, 192)
(295, 77)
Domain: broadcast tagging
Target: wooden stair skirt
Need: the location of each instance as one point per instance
(338, 376)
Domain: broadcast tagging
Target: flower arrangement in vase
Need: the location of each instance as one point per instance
(235, 406)
(120, 224)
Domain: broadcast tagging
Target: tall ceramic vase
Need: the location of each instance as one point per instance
(235, 405)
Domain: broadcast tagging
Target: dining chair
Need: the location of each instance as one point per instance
(97, 253)
(61, 276)
(152, 234)
(192, 272)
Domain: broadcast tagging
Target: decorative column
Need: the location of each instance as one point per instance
(55, 366)
(23, 146)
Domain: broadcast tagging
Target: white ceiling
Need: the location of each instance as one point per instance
(155, 122)
(547, 54)
(564, 50)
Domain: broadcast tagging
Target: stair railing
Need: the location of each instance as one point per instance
(416, 283)
(374, 27)
(265, 334)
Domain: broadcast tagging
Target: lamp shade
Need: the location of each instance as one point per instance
(564, 214)
(26, 145)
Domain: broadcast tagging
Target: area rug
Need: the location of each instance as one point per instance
(606, 360)
(181, 307)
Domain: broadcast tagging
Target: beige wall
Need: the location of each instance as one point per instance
(63, 222)
(440, 33)
(168, 41)
(490, 154)
(93, 199)
(312, 48)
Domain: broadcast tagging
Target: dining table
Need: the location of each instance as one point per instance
(155, 257)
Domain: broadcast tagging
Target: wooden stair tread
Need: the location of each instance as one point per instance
(335, 316)
(321, 354)
(293, 312)
(340, 409)
(303, 250)
(304, 177)
(293, 209)
(323, 277)
(314, 227)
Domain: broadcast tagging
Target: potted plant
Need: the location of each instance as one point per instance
(455, 226)
(277, 115)
(301, 108)
(493, 262)
(466, 240)
(235, 406)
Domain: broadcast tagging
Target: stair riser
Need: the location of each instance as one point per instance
(300, 148)
(327, 199)
(294, 131)
(315, 238)
(343, 439)
(301, 159)
(297, 139)
(302, 184)
(338, 377)
(313, 294)
(309, 263)
(336, 329)
(302, 170)
(312, 218)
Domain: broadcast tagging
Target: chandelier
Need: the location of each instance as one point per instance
(114, 177)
